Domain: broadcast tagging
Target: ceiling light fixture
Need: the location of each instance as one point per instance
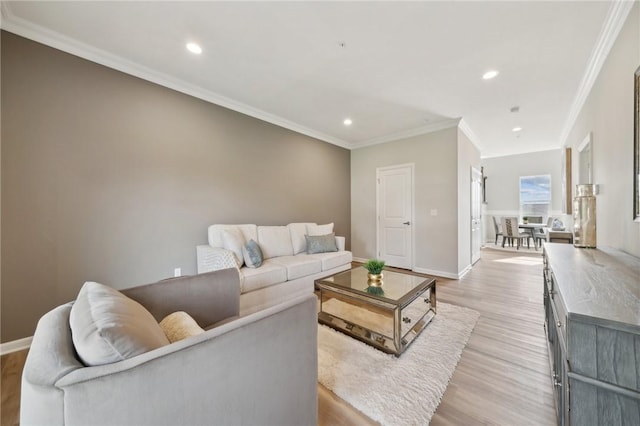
(194, 48)
(347, 122)
(490, 74)
(516, 129)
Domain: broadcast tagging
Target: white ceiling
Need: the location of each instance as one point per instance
(405, 68)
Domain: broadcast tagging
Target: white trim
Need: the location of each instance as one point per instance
(15, 345)
(616, 17)
(37, 33)
(433, 272)
(464, 128)
(584, 142)
(443, 274)
(440, 125)
(516, 213)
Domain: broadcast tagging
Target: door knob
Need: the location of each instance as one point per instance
(406, 223)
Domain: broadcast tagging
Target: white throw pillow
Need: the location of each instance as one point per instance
(107, 326)
(233, 240)
(298, 232)
(179, 325)
(275, 241)
(315, 230)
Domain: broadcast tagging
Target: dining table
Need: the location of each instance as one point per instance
(533, 229)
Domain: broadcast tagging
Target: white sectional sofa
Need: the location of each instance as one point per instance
(287, 270)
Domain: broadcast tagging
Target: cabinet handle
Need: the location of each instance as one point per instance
(556, 383)
(558, 324)
(406, 320)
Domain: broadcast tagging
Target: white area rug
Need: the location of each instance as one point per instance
(396, 391)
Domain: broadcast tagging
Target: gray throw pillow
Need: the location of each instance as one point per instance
(107, 326)
(252, 254)
(321, 243)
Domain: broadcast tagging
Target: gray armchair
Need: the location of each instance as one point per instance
(258, 369)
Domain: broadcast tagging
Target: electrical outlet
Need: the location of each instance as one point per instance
(177, 272)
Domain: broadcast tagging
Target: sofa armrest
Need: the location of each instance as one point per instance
(51, 357)
(214, 259)
(340, 243)
(258, 369)
(208, 298)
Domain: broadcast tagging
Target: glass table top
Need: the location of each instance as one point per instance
(395, 285)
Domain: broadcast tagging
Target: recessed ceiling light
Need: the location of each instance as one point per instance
(490, 74)
(516, 129)
(347, 122)
(194, 48)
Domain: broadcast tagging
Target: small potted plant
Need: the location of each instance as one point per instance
(525, 219)
(375, 267)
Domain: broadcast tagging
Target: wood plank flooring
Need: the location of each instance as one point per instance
(503, 376)
(502, 379)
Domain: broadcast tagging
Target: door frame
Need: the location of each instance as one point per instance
(413, 208)
(477, 172)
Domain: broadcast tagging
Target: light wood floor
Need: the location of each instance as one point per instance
(502, 379)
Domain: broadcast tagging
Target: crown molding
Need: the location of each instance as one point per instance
(26, 29)
(430, 128)
(616, 17)
(464, 127)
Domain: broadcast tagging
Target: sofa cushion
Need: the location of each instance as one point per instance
(313, 229)
(252, 254)
(275, 241)
(107, 326)
(333, 259)
(248, 231)
(266, 275)
(321, 243)
(179, 325)
(298, 266)
(232, 239)
(298, 232)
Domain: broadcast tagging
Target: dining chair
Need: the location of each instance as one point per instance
(497, 230)
(511, 231)
(542, 233)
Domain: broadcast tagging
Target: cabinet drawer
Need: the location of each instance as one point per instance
(414, 311)
(559, 310)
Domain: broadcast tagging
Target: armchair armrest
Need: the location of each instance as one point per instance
(340, 243)
(214, 259)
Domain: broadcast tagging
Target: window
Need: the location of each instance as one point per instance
(535, 196)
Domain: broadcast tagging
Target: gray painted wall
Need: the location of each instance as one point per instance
(503, 183)
(435, 187)
(608, 114)
(110, 178)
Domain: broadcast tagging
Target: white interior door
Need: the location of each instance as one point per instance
(395, 215)
(476, 214)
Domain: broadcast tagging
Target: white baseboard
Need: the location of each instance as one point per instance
(15, 345)
(442, 274)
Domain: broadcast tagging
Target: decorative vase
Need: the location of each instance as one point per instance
(584, 216)
(375, 279)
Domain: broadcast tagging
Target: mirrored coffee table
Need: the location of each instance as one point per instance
(388, 315)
